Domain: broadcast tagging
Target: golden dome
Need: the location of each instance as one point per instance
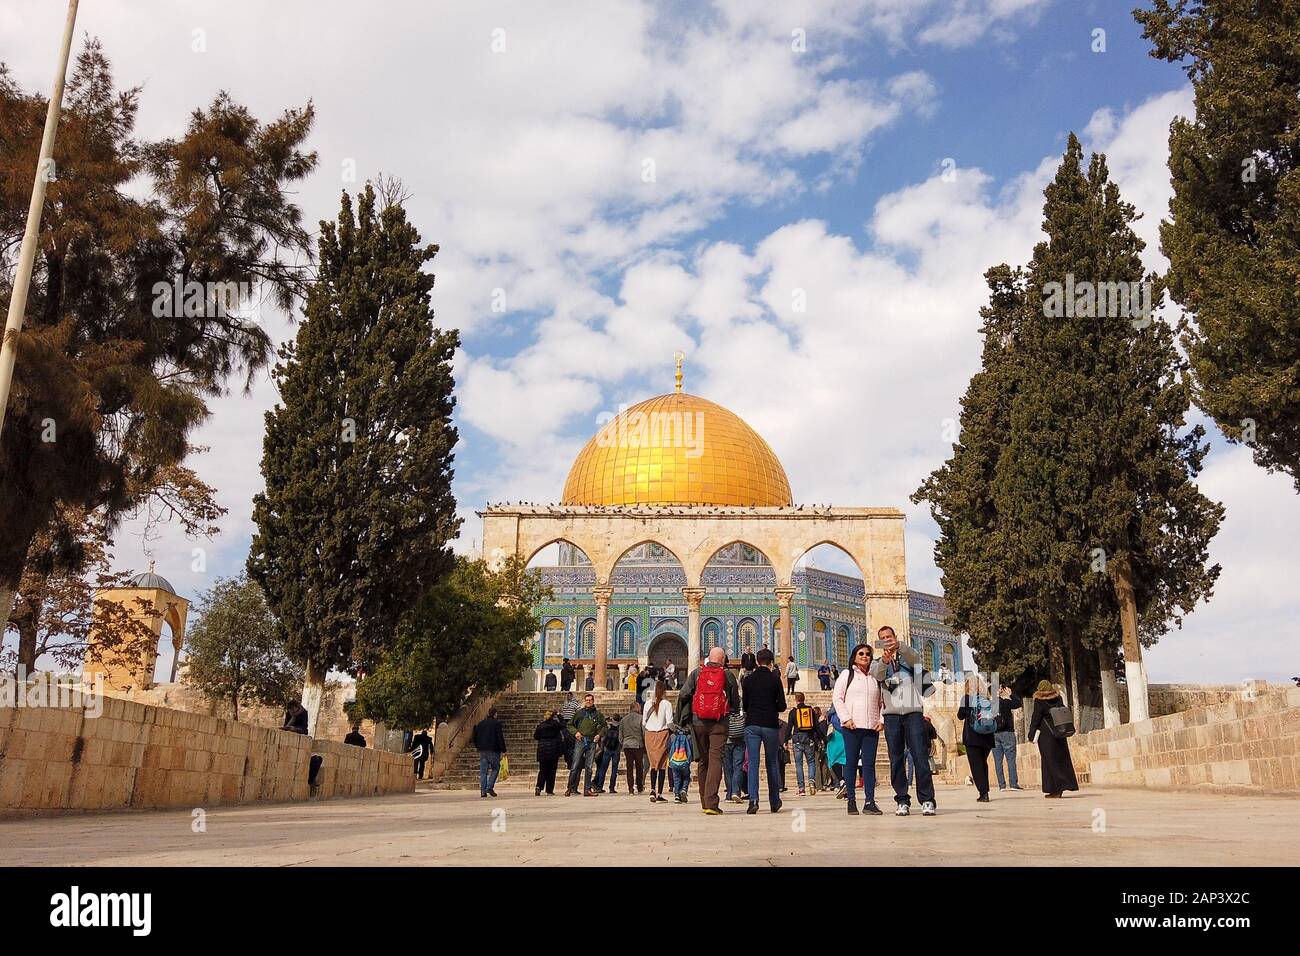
(677, 449)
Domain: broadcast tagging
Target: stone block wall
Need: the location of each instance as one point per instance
(133, 756)
(348, 771)
(333, 723)
(1239, 745)
(115, 754)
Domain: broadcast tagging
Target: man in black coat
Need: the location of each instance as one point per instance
(567, 673)
(421, 750)
(764, 700)
(490, 742)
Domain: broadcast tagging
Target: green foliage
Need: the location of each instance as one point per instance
(122, 385)
(977, 574)
(1074, 470)
(1233, 238)
(234, 649)
(473, 631)
(354, 523)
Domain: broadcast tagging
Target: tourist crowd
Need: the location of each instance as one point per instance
(728, 729)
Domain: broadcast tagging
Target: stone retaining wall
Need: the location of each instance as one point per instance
(114, 754)
(1241, 745)
(348, 771)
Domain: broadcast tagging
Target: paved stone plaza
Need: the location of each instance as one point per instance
(455, 827)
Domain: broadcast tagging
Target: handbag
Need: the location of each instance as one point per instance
(505, 768)
(1060, 721)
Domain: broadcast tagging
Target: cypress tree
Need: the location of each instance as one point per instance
(357, 514)
(1099, 474)
(1233, 237)
(970, 549)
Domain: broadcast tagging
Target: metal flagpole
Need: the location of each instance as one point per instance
(27, 255)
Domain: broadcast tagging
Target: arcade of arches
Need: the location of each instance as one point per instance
(678, 533)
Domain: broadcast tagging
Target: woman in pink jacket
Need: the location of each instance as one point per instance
(860, 708)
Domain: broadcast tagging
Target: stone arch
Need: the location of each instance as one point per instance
(848, 551)
(672, 551)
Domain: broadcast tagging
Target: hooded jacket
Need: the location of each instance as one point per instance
(901, 681)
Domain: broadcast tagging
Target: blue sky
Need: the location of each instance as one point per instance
(523, 130)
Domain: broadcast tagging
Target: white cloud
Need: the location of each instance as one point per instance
(527, 167)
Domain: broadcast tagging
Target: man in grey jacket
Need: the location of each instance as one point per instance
(898, 668)
(632, 742)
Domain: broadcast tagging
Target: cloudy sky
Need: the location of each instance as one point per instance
(638, 177)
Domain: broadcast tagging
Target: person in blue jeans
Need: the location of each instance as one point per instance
(608, 759)
(1004, 739)
(586, 725)
(764, 700)
(901, 677)
(858, 703)
(490, 741)
(681, 752)
(733, 757)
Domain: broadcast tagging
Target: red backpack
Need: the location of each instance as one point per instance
(710, 700)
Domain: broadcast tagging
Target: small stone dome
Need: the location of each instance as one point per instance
(151, 580)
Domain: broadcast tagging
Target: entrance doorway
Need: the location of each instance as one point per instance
(669, 647)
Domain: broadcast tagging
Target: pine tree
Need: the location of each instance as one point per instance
(1233, 238)
(357, 514)
(107, 389)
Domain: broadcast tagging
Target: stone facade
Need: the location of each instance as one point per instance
(693, 535)
(1250, 743)
(134, 756)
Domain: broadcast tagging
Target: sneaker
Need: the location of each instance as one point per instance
(928, 809)
(710, 812)
(872, 809)
(1000, 789)
(492, 793)
(812, 791)
(902, 810)
(752, 808)
(801, 792)
(1015, 788)
(483, 796)
(777, 808)
(853, 808)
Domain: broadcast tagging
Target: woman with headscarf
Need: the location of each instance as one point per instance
(1058, 769)
(550, 745)
(654, 731)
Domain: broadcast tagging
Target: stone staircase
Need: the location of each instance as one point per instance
(521, 711)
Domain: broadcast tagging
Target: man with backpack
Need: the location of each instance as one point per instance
(711, 694)
(607, 759)
(803, 737)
